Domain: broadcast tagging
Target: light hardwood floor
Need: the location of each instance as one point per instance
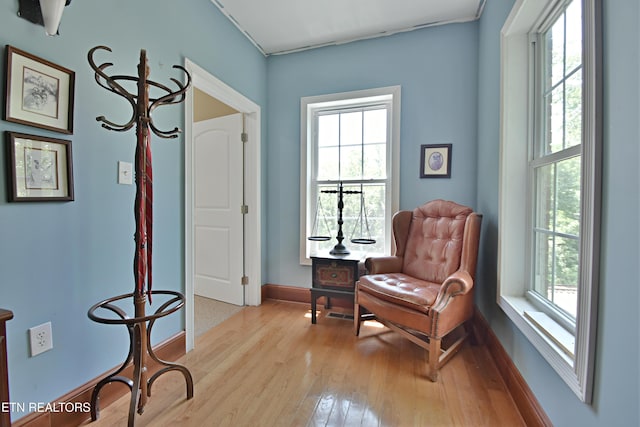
(269, 366)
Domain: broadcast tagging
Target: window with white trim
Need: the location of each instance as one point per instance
(555, 166)
(550, 181)
(350, 139)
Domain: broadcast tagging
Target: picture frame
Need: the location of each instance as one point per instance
(40, 168)
(38, 92)
(435, 161)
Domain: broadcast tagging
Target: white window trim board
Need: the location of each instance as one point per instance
(307, 105)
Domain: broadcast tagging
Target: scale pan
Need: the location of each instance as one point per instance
(363, 241)
(319, 238)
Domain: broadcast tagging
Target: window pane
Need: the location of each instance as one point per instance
(543, 267)
(574, 36)
(375, 196)
(375, 126)
(556, 271)
(573, 111)
(351, 210)
(565, 290)
(351, 128)
(555, 121)
(328, 130)
(375, 161)
(328, 162)
(324, 222)
(351, 162)
(568, 197)
(545, 198)
(369, 221)
(554, 41)
(558, 197)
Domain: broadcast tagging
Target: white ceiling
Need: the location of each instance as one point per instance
(283, 26)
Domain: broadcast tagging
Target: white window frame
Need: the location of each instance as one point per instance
(310, 104)
(546, 334)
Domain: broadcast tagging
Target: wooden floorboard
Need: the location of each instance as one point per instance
(269, 366)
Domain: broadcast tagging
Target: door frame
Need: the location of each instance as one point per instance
(215, 88)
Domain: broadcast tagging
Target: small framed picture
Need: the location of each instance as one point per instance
(435, 161)
(38, 92)
(40, 168)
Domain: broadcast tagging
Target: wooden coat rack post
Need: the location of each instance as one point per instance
(140, 325)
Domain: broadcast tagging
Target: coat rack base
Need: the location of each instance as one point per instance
(139, 328)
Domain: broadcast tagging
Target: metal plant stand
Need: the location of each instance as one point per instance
(140, 325)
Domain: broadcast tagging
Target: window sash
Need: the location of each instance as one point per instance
(317, 114)
(357, 211)
(544, 242)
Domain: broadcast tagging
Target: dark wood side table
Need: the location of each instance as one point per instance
(5, 416)
(334, 276)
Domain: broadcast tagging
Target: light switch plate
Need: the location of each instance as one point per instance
(125, 173)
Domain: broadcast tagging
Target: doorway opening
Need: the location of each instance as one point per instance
(227, 97)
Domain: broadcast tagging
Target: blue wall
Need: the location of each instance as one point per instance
(58, 259)
(446, 98)
(436, 68)
(617, 377)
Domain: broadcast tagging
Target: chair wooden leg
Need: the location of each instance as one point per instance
(357, 315)
(434, 359)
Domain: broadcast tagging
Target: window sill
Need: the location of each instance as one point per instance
(562, 338)
(554, 342)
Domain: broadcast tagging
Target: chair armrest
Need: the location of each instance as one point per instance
(459, 283)
(385, 264)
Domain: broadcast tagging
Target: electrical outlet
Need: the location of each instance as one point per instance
(41, 338)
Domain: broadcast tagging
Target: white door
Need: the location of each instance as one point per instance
(218, 198)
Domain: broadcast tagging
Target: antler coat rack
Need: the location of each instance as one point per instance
(140, 325)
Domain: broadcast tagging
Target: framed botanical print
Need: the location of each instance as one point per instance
(40, 168)
(38, 92)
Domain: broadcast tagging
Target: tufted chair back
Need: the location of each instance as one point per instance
(434, 246)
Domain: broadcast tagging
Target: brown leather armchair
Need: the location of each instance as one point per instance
(425, 291)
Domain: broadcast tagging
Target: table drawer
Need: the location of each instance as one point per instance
(336, 275)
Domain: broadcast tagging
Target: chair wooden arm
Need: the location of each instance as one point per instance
(386, 264)
(459, 283)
